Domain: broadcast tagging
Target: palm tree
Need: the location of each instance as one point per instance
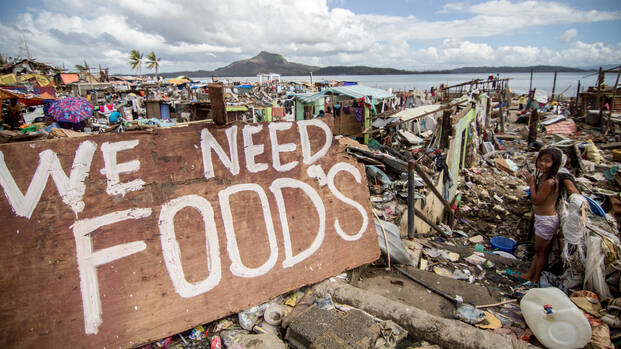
(154, 62)
(83, 68)
(135, 60)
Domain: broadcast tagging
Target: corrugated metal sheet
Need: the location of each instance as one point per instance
(360, 91)
(310, 97)
(412, 113)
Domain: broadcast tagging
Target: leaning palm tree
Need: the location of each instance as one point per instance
(83, 68)
(153, 62)
(135, 61)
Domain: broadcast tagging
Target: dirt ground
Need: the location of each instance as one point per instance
(394, 285)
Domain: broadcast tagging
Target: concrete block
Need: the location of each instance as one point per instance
(354, 330)
(307, 327)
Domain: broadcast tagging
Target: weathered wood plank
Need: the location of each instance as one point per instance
(42, 272)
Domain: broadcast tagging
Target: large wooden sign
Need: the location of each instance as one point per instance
(118, 240)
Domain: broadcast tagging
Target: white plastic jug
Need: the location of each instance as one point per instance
(563, 326)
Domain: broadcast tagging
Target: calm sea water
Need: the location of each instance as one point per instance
(519, 82)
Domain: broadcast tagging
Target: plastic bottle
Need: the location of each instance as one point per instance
(554, 319)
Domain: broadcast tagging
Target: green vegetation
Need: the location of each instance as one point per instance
(83, 68)
(153, 62)
(135, 60)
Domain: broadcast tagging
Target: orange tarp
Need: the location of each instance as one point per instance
(69, 78)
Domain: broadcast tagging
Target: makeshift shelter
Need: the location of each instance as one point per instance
(157, 108)
(352, 107)
(178, 81)
(28, 100)
(25, 66)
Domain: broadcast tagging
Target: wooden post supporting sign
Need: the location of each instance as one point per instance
(218, 107)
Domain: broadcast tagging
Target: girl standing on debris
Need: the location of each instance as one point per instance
(544, 190)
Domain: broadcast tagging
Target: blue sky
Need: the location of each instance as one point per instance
(404, 34)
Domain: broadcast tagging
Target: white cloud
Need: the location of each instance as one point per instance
(206, 34)
(568, 35)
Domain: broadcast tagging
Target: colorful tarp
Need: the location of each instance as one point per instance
(42, 80)
(8, 79)
(69, 78)
(23, 99)
(178, 81)
(567, 127)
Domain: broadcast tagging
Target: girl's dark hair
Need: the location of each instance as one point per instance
(557, 157)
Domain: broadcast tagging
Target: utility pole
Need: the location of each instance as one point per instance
(553, 86)
(25, 47)
(501, 110)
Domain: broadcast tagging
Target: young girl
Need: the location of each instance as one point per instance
(544, 189)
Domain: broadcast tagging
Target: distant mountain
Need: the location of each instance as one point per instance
(191, 74)
(505, 69)
(603, 66)
(359, 70)
(266, 62)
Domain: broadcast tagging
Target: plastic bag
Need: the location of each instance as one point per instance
(592, 153)
(398, 252)
(573, 219)
(594, 268)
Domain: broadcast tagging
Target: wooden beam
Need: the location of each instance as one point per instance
(431, 186)
(501, 110)
(218, 107)
(446, 129)
(532, 126)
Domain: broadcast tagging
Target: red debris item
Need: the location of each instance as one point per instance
(526, 336)
(216, 342)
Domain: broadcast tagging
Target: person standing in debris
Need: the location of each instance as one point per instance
(522, 101)
(14, 113)
(544, 189)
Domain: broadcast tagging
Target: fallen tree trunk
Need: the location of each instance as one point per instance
(420, 324)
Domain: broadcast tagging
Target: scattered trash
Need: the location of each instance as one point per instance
(198, 333)
(475, 259)
(477, 239)
(442, 271)
(469, 314)
(490, 322)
